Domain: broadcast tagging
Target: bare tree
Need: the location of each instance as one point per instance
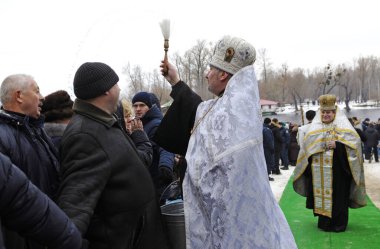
(284, 77)
(347, 84)
(200, 55)
(312, 90)
(160, 87)
(265, 64)
(297, 83)
(272, 89)
(184, 65)
(135, 79)
(376, 77)
(330, 80)
(373, 68)
(362, 74)
(360, 82)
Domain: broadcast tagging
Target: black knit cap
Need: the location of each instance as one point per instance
(154, 99)
(143, 97)
(92, 79)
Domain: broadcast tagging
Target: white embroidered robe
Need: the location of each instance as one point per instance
(228, 201)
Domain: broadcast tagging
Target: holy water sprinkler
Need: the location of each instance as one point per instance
(165, 29)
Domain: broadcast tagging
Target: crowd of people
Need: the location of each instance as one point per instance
(92, 172)
(282, 143)
(278, 144)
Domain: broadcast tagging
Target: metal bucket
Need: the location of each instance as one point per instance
(174, 218)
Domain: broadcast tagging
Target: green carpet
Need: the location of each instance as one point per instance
(363, 230)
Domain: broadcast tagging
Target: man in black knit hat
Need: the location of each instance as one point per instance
(161, 168)
(106, 189)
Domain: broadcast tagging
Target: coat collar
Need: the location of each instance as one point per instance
(21, 119)
(152, 113)
(86, 109)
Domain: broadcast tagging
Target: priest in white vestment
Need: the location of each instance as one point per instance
(329, 171)
(228, 201)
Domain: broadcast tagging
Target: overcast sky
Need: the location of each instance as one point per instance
(50, 39)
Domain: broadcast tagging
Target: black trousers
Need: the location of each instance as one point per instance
(277, 154)
(368, 150)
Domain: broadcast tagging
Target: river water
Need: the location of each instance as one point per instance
(372, 113)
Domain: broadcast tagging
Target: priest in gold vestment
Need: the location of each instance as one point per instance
(329, 171)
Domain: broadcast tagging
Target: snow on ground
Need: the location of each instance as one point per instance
(291, 109)
(372, 181)
(280, 181)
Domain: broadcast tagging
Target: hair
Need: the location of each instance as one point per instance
(229, 76)
(275, 120)
(13, 83)
(267, 121)
(351, 121)
(310, 114)
(127, 108)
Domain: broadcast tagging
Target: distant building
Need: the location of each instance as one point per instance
(268, 107)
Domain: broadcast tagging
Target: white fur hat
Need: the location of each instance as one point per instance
(232, 54)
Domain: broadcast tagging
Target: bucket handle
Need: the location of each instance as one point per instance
(168, 188)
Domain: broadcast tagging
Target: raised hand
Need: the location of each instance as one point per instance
(171, 75)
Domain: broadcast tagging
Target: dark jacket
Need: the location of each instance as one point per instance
(143, 146)
(377, 126)
(55, 132)
(161, 157)
(174, 132)
(285, 136)
(24, 141)
(25, 209)
(372, 137)
(277, 138)
(106, 189)
(294, 148)
(361, 134)
(268, 144)
(365, 125)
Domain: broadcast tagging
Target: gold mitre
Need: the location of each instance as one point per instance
(327, 102)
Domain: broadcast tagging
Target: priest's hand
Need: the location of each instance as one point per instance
(331, 145)
(172, 75)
